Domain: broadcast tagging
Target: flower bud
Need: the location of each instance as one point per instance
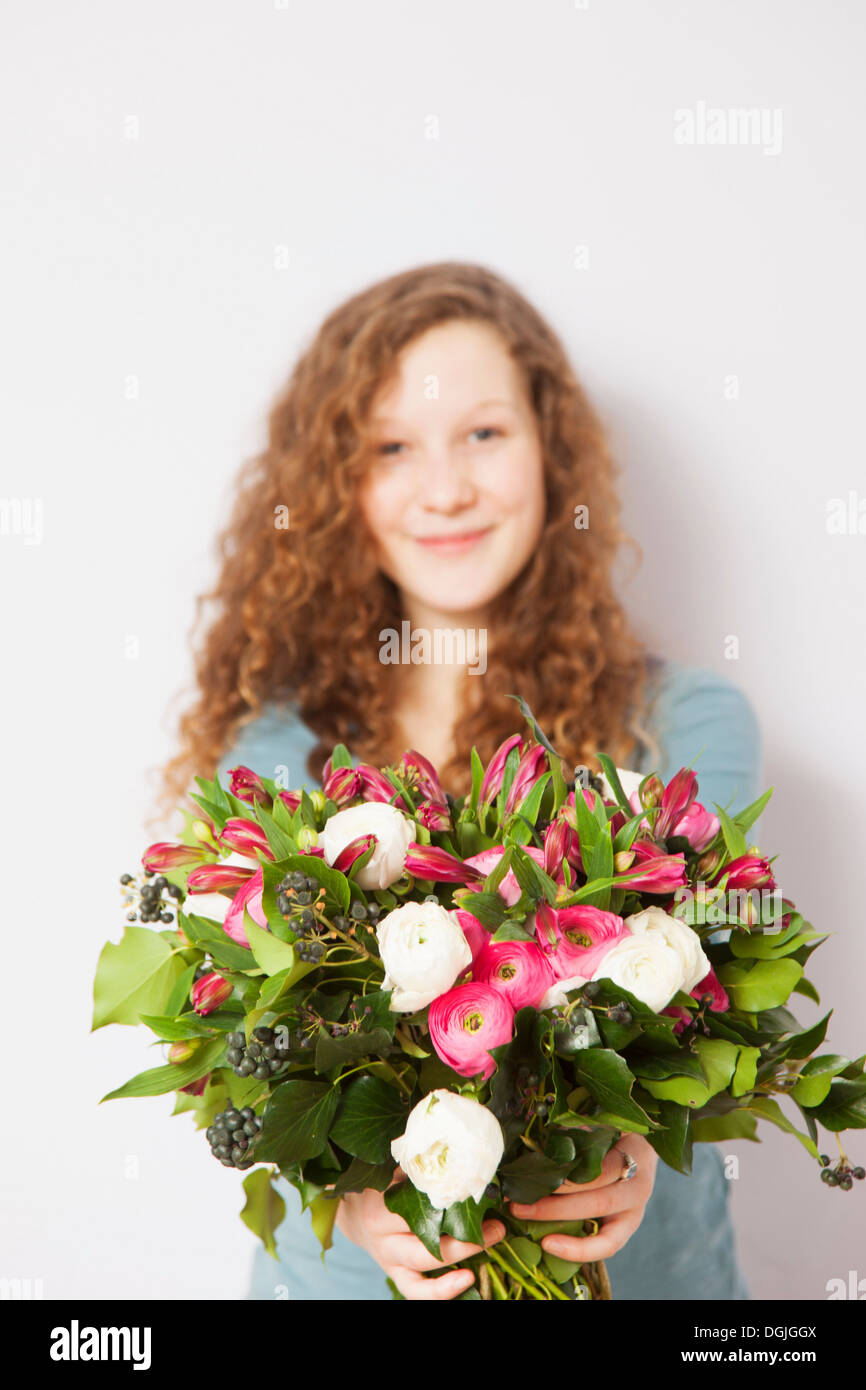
(164, 855)
(623, 860)
(708, 863)
(308, 838)
(203, 830)
(182, 1051)
(318, 799)
(653, 792)
(209, 992)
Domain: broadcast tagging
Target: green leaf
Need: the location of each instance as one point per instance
(735, 840)
(531, 877)
(745, 1072)
(341, 757)
(211, 937)
(533, 1175)
(297, 1121)
(274, 956)
(371, 1114)
(609, 768)
(609, 1081)
(747, 817)
(766, 984)
(323, 1213)
(177, 1029)
(500, 869)
(816, 1077)
(511, 931)
(180, 993)
(360, 1175)
(477, 779)
(736, 1124)
(845, 1106)
(420, 1215)
(331, 1052)
(488, 908)
(531, 804)
(264, 1208)
(462, 1220)
(160, 1080)
(137, 975)
(282, 845)
(673, 1143)
(335, 884)
(767, 1109)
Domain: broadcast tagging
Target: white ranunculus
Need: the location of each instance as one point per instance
(652, 921)
(630, 782)
(394, 834)
(556, 995)
(423, 950)
(646, 966)
(451, 1148)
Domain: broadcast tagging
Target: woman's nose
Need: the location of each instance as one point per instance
(445, 482)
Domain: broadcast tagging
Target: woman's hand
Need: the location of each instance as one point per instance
(365, 1220)
(621, 1204)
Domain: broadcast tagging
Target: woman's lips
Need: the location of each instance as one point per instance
(453, 545)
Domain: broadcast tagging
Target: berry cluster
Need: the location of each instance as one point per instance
(231, 1134)
(146, 899)
(260, 1057)
(297, 899)
(841, 1174)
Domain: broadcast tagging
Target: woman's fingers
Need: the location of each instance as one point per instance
(612, 1237)
(408, 1251)
(414, 1286)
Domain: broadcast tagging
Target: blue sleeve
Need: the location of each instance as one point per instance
(275, 745)
(703, 720)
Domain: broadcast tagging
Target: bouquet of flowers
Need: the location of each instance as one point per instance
(486, 992)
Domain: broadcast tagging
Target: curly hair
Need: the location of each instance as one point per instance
(298, 608)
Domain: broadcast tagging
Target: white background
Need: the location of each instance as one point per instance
(157, 158)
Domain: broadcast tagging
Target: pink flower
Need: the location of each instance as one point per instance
(209, 992)
(698, 825)
(437, 865)
(420, 775)
(164, 855)
(653, 870)
(476, 935)
(213, 878)
(486, 861)
(749, 871)
(575, 940)
(245, 837)
(532, 766)
(465, 1022)
(678, 796)
(249, 897)
(435, 815)
(492, 782)
(710, 984)
(517, 968)
(248, 786)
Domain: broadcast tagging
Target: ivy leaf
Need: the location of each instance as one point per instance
(420, 1215)
(297, 1120)
(264, 1208)
(134, 976)
(372, 1113)
(609, 1081)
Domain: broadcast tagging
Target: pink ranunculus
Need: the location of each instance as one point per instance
(486, 861)
(249, 897)
(699, 826)
(518, 968)
(465, 1023)
(583, 937)
(476, 934)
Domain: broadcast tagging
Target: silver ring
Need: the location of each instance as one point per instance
(629, 1167)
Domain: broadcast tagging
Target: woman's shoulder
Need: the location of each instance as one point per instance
(702, 718)
(274, 743)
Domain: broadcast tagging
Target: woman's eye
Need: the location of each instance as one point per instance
(386, 449)
(486, 429)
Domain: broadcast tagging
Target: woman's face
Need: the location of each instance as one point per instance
(454, 498)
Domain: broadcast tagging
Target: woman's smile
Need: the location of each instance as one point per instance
(453, 544)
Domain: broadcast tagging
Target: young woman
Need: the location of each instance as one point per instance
(433, 467)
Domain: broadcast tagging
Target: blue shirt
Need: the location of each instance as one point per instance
(684, 1247)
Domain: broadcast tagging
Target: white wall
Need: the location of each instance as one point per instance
(157, 159)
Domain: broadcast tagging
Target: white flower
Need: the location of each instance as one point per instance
(646, 966)
(679, 936)
(423, 950)
(629, 781)
(394, 834)
(556, 994)
(451, 1148)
